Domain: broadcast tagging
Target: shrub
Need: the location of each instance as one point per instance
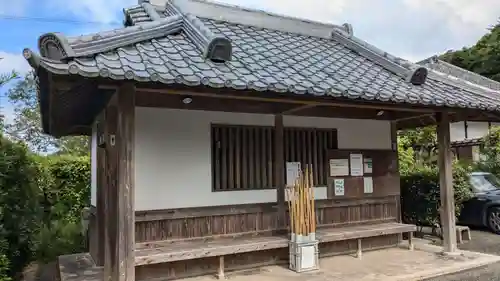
(490, 153)
(66, 189)
(64, 192)
(420, 193)
(19, 212)
(59, 238)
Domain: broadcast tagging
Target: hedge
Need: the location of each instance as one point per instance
(41, 199)
(420, 193)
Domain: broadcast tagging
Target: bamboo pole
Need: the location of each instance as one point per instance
(301, 204)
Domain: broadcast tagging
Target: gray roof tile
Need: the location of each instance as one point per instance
(263, 59)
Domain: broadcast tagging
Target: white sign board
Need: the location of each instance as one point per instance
(368, 184)
(356, 164)
(339, 187)
(368, 163)
(292, 172)
(339, 167)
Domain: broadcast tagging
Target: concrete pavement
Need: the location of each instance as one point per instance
(485, 242)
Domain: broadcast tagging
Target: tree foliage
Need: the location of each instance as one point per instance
(482, 58)
(490, 153)
(27, 125)
(4, 79)
(19, 210)
(41, 200)
(420, 193)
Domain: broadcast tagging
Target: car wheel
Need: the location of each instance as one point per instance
(494, 219)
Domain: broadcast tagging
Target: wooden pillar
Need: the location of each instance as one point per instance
(120, 214)
(394, 147)
(446, 183)
(101, 192)
(279, 170)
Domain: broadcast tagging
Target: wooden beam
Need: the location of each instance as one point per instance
(299, 108)
(358, 104)
(414, 117)
(125, 189)
(279, 170)
(447, 211)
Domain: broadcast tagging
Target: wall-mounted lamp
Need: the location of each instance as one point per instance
(187, 100)
(380, 113)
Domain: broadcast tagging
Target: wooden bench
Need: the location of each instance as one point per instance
(168, 251)
(365, 231)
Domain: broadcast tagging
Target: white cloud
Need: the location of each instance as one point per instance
(411, 29)
(14, 8)
(10, 61)
(107, 11)
(479, 13)
(318, 10)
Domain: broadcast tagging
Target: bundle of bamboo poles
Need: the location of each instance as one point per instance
(301, 206)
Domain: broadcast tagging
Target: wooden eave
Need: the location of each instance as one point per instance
(76, 101)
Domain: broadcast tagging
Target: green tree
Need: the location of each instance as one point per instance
(27, 127)
(482, 58)
(4, 79)
(421, 141)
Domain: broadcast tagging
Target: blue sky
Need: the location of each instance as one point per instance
(410, 29)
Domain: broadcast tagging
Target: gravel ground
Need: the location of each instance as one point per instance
(485, 242)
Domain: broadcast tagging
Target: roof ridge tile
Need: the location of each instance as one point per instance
(461, 73)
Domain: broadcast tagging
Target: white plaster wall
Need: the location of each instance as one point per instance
(172, 152)
(457, 131)
(474, 130)
(477, 129)
(93, 167)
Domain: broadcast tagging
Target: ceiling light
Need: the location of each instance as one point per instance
(187, 100)
(380, 113)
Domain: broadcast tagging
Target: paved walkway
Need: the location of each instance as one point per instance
(485, 242)
(395, 264)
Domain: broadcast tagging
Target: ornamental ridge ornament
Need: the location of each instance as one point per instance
(54, 46)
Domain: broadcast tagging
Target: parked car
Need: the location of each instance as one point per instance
(483, 209)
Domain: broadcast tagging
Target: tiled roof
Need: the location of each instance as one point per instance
(467, 142)
(451, 70)
(192, 42)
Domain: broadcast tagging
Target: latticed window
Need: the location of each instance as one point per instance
(243, 156)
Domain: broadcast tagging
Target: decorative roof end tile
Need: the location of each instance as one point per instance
(417, 76)
(213, 46)
(219, 49)
(345, 30)
(32, 58)
(55, 46)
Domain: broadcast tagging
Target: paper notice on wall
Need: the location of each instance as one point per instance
(338, 185)
(292, 172)
(339, 167)
(356, 164)
(368, 166)
(368, 184)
